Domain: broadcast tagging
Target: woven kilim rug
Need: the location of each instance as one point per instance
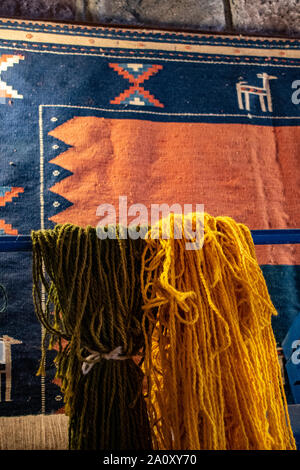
(89, 114)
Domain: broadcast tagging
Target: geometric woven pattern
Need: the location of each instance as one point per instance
(136, 74)
(7, 91)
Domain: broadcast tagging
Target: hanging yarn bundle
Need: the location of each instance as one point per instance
(87, 296)
(214, 381)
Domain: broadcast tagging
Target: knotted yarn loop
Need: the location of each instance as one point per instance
(94, 357)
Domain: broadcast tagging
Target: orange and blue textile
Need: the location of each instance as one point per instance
(89, 114)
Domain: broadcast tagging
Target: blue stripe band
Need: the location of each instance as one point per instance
(260, 237)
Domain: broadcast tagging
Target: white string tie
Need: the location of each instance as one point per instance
(90, 361)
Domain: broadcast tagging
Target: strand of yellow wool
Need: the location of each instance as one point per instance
(211, 363)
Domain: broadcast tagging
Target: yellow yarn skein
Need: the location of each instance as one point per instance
(213, 376)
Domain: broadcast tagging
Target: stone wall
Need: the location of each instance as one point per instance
(276, 17)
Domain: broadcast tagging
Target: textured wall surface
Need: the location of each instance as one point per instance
(208, 15)
(280, 16)
(51, 9)
(273, 17)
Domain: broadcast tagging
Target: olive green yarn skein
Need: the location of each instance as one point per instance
(87, 296)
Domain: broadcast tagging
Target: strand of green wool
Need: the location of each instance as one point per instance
(87, 296)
